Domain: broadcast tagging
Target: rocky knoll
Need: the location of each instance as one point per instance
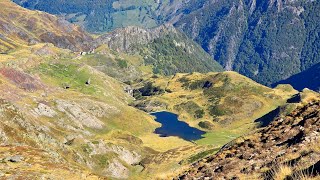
(286, 149)
(123, 39)
(165, 48)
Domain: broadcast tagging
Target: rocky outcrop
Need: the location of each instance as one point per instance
(290, 141)
(78, 114)
(124, 39)
(44, 110)
(166, 49)
(117, 170)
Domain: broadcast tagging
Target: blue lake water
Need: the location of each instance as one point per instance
(171, 126)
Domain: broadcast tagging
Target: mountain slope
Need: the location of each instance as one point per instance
(67, 114)
(166, 49)
(19, 26)
(257, 38)
(85, 126)
(286, 149)
(107, 15)
(177, 54)
(61, 117)
(224, 104)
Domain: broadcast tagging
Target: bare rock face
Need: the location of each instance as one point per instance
(130, 157)
(14, 159)
(3, 138)
(44, 110)
(117, 170)
(78, 114)
(98, 109)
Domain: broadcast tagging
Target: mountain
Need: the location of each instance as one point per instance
(286, 149)
(309, 78)
(254, 38)
(165, 48)
(67, 114)
(162, 48)
(107, 15)
(76, 106)
(258, 38)
(61, 117)
(20, 27)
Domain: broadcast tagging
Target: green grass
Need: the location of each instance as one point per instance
(201, 155)
(67, 75)
(218, 138)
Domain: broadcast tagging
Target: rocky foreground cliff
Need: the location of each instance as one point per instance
(286, 149)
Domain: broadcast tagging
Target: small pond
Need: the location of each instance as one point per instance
(171, 126)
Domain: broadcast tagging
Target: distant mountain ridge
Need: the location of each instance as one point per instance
(254, 38)
(267, 40)
(107, 15)
(123, 39)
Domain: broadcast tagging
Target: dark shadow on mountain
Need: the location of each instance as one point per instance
(311, 171)
(268, 118)
(309, 78)
(295, 98)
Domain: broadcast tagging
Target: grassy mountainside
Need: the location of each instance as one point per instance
(66, 114)
(21, 27)
(224, 104)
(66, 120)
(286, 149)
(255, 38)
(60, 116)
(55, 111)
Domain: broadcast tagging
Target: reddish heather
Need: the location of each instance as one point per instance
(23, 80)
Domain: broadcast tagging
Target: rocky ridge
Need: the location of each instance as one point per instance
(165, 48)
(291, 142)
(123, 39)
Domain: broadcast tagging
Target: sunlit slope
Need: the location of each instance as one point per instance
(20, 27)
(225, 103)
(75, 114)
